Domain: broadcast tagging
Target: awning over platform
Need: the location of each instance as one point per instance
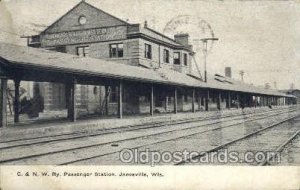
(15, 59)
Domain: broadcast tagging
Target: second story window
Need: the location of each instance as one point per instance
(148, 51)
(176, 58)
(185, 61)
(116, 50)
(61, 49)
(166, 56)
(83, 51)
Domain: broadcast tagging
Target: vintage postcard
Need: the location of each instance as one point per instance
(144, 94)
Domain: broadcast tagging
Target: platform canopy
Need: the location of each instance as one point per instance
(35, 64)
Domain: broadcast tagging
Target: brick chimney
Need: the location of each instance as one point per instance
(145, 24)
(182, 39)
(228, 72)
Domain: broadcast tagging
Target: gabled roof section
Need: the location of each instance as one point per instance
(95, 18)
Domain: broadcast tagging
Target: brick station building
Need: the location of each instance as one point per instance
(90, 62)
(90, 32)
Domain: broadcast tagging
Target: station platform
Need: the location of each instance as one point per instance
(88, 125)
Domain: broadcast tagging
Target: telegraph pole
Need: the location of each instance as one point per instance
(204, 40)
(242, 75)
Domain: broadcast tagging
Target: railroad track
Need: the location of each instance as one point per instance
(281, 148)
(71, 136)
(245, 137)
(126, 139)
(138, 126)
(159, 142)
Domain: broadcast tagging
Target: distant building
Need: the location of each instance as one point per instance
(294, 92)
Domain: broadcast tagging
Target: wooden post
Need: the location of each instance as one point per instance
(193, 101)
(67, 96)
(120, 101)
(106, 99)
(16, 101)
(175, 100)
(238, 100)
(199, 101)
(68, 88)
(167, 103)
(74, 110)
(3, 103)
(260, 101)
(207, 101)
(71, 100)
(152, 101)
(219, 101)
(229, 100)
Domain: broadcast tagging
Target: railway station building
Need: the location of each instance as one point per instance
(89, 62)
(294, 92)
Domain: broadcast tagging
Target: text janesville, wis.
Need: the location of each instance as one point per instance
(89, 174)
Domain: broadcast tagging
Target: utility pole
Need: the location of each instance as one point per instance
(204, 40)
(242, 75)
(275, 85)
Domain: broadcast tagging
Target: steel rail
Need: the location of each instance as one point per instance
(236, 140)
(280, 148)
(122, 140)
(150, 123)
(80, 135)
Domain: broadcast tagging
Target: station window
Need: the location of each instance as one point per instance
(185, 98)
(202, 101)
(95, 90)
(185, 59)
(83, 51)
(148, 51)
(61, 49)
(113, 94)
(176, 58)
(166, 56)
(116, 50)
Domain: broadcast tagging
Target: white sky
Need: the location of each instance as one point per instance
(260, 37)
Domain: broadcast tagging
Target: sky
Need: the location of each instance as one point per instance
(262, 38)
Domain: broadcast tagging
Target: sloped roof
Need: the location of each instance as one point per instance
(105, 21)
(289, 90)
(137, 29)
(99, 19)
(26, 56)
